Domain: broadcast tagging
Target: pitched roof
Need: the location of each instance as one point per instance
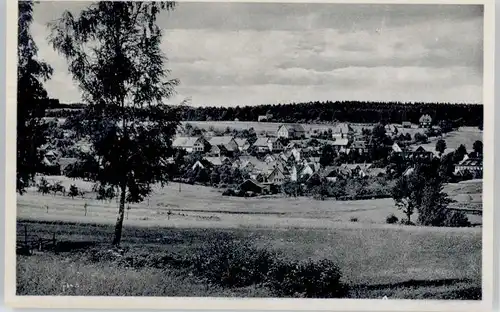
(261, 142)
(354, 166)
(293, 127)
(342, 128)
(184, 141)
(359, 144)
(220, 140)
(425, 118)
(241, 141)
(340, 142)
(216, 161)
(396, 148)
(473, 162)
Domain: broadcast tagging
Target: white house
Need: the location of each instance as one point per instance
(343, 131)
(425, 121)
(276, 176)
(243, 144)
(262, 145)
(291, 131)
(189, 144)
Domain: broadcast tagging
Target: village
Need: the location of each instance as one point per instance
(292, 154)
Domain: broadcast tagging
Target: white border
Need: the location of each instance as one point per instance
(180, 303)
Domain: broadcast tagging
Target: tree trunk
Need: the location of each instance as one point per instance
(121, 215)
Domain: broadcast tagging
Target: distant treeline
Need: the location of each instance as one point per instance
(356, 112)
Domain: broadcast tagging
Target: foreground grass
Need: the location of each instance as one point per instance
(374, 262)
(59, 275)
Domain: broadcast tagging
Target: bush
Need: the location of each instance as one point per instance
(391, 219)
(228, 192)
(231, 264)
(306, 279)
(406, 222)
(457, 219)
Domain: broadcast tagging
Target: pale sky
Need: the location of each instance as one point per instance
(228, 54)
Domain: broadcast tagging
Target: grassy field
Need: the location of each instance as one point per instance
(464, 135)
(376, 259)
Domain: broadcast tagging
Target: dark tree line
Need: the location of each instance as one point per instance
(347, 111)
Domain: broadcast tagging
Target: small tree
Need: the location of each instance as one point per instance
(73, 191)
(113, 51)
(433, 209)
(478, 147)
(32, 100)
(43, 186)
(441, 146)
(327, 155)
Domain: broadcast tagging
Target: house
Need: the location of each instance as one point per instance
(217, 161)
(64, 162)
(276, 176)
(261, 145)
(360, 146)
(198, 164)
(227, 141)
(472, 165)
(283, 156)
(340, 144)
(357, 169)
(307, 170)
(275, 145)
(330, 173)
(391, 130)
(343, 131)
(406, 124)
(242, 143)
(420, 153)
(265, 117)
(425, 121)
(190, 144)
(269, 158)
(217, 150)
(251, 185)
(262, 118)
(291, 131)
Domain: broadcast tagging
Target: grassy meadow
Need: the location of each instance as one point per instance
(375, 258)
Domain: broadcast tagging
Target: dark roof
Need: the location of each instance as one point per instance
(472, 162)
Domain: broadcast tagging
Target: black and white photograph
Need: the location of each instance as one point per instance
(264, 150)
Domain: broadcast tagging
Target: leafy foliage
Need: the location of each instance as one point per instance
(306, 279)
(441, 146)
(31, 100)
(44, 186)
(73, 191)
(113, 52)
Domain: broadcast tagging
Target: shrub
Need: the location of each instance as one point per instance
(44, 186)
(406, 222)
(231, 264)
(73, 191)
(391, 219)
(457, 219)
(306, 279)
(228, 192)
